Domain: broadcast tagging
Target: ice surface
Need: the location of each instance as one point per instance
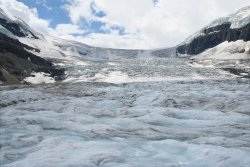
(169, 123)
(155, 69)
(130, 112)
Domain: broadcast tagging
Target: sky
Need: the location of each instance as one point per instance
(129, 24)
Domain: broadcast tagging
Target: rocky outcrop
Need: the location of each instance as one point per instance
(17, 29)
(20, 63)
(8, 78)
(211, 37)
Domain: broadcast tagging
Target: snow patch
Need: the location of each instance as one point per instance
(227, 50)
(6, 32)
(40, 77)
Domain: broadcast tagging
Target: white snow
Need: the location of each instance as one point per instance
(238, 19)
(46, 47)
(192, 37)
(40, 77)
(6, 15)
(51, 47)
(24, 27)
(227, 50)
(6, 32)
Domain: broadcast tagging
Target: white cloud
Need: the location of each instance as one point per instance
(44, 4)
(79, 9)
(163, 24)
(29, 15)
(114, 40)
(65, 29)
(146, 24)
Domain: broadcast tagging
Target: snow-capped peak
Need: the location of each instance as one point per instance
(3, 15)
(237, 19)
(6, 15)
(17, 26)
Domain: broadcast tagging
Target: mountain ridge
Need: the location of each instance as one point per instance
(233, 27)
(53, 49)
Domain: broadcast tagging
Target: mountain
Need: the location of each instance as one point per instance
(20, 63)
(25, 52)
(16, 26)
(116, 107)
(16, 58)
(231, 28)
(41, 52)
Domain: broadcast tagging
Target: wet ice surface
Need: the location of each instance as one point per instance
(184, 123)
(153, 69)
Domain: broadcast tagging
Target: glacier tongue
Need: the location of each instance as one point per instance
(132, 112)
(170, 123)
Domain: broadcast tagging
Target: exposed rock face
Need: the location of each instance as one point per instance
(9, 79)
(17, 29)
(20, 63)
(213, 36)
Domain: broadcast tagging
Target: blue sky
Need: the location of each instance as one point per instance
(50, 10)
(55, 12)
(137, 24)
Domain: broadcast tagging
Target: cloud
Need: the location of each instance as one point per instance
(29, 15)
(44, 4)
(152, 24)
(114, 40)
(79, 9)
(67, 29)
(128, 23)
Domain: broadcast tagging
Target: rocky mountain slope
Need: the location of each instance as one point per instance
(20, 63)
(231, 28)
(16, 58)
(16, 26)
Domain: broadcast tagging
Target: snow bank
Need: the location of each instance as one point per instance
(228, 50)
(38, 78)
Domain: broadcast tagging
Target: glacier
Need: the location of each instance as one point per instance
(116, 107)
(171, 120)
